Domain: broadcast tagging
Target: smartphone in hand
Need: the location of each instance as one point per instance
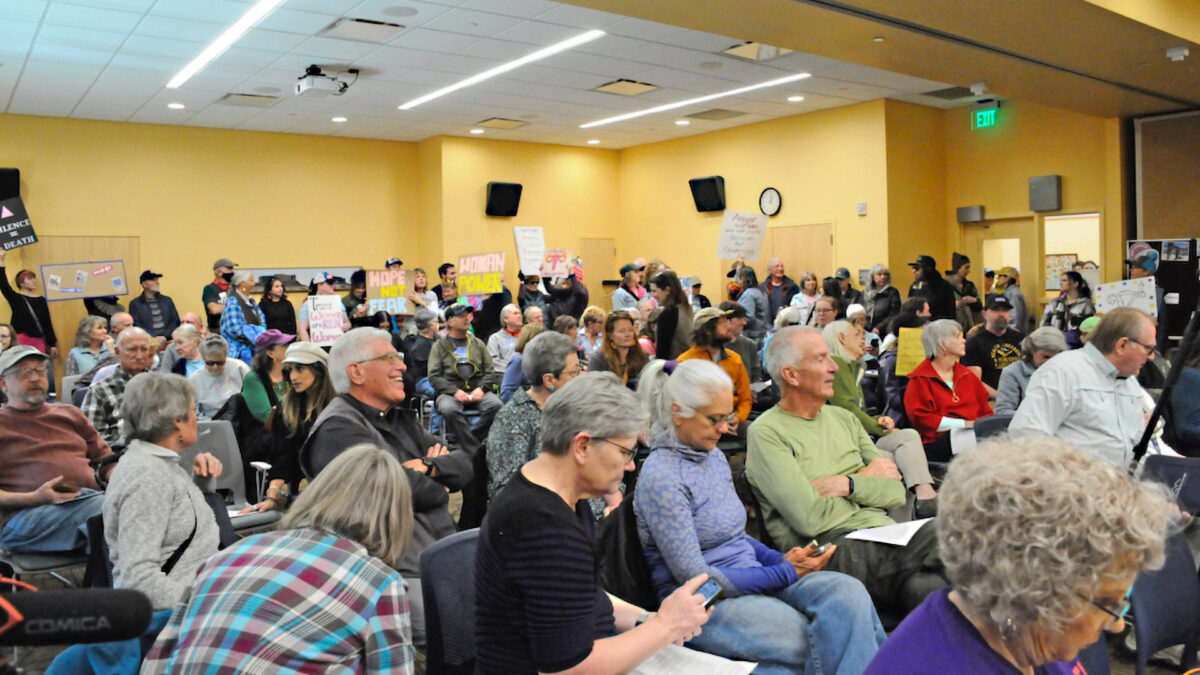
(711, 590)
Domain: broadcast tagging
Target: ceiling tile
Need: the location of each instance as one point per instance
(330, 49)
(705, 42)
(295, 21)
(200, 32)
(468, 22)
(157, 46)
(219, 11)
(122, 5)
(424, 39)
(580, 17)
(541, 33)
(522, 8)
(77, 37)
(95, 18)
(53, 89)
(271, 40)
(398, 57)
(28, 10)
(326, 6)
(67, 54)
(375, 11)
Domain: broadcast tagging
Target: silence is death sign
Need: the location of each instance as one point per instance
(15, 229)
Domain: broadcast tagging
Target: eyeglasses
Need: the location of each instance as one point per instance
(718, 420)
(628, 453)
(214, 363)
(387, 357)
(1118, 613)
(28, 372)
(824, 310)
(1149, 348)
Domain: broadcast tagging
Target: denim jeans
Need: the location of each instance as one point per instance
(823, 623)
(52, 528)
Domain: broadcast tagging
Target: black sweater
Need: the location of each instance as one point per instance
(30, 316)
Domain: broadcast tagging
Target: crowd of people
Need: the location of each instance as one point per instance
(779, 402)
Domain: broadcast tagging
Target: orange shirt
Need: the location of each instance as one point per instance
(736, 370)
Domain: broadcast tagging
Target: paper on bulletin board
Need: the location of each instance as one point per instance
(557, 263)
(387, 291)
(480, 274)
(909, 352)
(15, 229)
(1055, 265)
(742, 234)
(1137, 293)
(325, 314)
(531, 249)
(75, 281)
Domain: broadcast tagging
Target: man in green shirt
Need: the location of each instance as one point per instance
(817, 475)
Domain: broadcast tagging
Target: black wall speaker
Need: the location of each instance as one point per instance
(708, 193)
(503, 199)
(1045, 193)
(10, 183)
(970, 214)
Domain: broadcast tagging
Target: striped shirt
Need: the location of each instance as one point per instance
(290, 601)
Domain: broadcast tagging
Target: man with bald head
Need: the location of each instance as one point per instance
(817, 475)
(119, 322)
(779, 288)
(1090, 397)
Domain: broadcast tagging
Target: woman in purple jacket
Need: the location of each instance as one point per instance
(778, 609)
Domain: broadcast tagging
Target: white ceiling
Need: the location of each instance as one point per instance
(111, 59)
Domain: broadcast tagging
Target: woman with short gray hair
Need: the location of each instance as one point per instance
(1037, 348)
(1041, 545)
(186, 340)
(220, 378)
(242, 320)
(549, 361)
(525, 622)
(691, 522)
(943, 394)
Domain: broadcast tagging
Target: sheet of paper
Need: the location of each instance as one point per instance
(672, 660)
(897, 535)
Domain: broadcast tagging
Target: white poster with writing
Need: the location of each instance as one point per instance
(531, 249)
(325, 314)
(742, 234)
(1137, 293)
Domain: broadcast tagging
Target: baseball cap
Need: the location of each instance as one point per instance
(270, 338)
(224, 262)
(1147, 261)
(989, 272)
(1087, 326)
(708, 314)
(392, 261)
(696, 282)
(148, 275)
(629, 267)
(458, 310)
(1010, 272)
(999, 302)
(305, 353)
(10, 357)
(842, 273)
(923, 261)
(326, 277)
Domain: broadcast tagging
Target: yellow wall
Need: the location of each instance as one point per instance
(916, 188)
(822, 163)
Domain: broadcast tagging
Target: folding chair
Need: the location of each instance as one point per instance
(216, 437)
(448, 586)
(1166, 606)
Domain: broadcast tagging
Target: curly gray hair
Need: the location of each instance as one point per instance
(1027, 528)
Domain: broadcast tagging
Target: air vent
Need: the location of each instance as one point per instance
(248, 100)
(362, 30)
(626, 87)
(501, 123)
(950, 93)
(716, 114)
(755, 51)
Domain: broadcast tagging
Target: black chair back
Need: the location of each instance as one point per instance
(1166, 606)
(99, 570)
(1095, 658)
(448, 588)
(992, 425)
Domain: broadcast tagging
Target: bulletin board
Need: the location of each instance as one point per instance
(1177, 273)
(92, 279)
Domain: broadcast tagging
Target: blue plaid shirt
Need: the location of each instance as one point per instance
(233, 323)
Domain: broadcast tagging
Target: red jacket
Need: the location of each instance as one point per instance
(927, 399)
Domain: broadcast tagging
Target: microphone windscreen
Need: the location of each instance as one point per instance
(77, 616)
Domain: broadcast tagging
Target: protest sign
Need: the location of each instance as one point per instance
(531, 249)
(91, 279)
(1136, 293)
(15, 228)
(480, 274)
(910, 353)
(742, 234)
(387, 291)
(557, 263)
(325, 315)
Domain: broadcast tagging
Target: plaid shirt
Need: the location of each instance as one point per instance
(102, 405)
(233, 321)
(290, 601)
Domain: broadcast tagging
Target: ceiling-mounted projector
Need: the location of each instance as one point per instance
(316, 83)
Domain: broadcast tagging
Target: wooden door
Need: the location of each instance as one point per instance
(599, 263)
(801, 247)
(1010, 241)
(65, 314)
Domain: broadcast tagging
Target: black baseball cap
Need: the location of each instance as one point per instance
(458, 310)
(148, 275)
(999, 302)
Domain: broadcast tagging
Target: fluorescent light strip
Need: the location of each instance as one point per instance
(257, 13)
(511, 65)
(692, 101)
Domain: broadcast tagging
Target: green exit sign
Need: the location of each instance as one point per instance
(984, 118)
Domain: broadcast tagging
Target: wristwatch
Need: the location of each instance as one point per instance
(851, 482)
(428, 462)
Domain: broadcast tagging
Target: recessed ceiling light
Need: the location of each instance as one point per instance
(504, 68)
(477, 131)
(878, 38)
(692, 101)
(795, 99)
(682, 123)
(176, 106)
(339, 119)
(257, 13)
(594, 141)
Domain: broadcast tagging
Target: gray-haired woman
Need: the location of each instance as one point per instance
(1037, 348)
(153, 510)
(220, 378)
(242, 319)
(942, 394)
(1041, 544)
(538, 603)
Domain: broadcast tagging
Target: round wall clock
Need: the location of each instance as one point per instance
(770, 201)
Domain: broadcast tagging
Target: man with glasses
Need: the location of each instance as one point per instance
(817, 475)
(102, 405)
(368, 375)
(710, 335)
(1090, 397)
(47, 489)
(463, 376)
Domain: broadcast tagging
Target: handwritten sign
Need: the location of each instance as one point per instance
(531, 249)
(557, 263)
(387, 291)
(325, 314)
(480, 274)
(15, 229)
(1136, 293)
(910, 353)
(742, 234)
